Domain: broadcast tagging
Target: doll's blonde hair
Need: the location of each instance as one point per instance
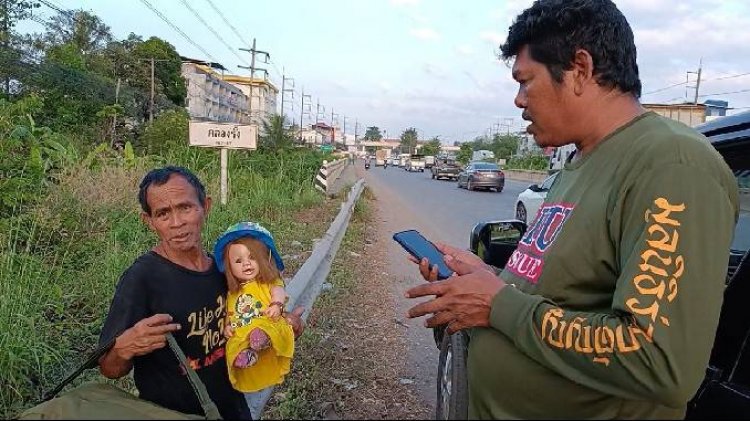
(267, 270)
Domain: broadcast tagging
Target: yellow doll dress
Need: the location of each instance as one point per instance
(245, 313)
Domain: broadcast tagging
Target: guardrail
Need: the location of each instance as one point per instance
(306, 284)
(526, 175)
(328, 174)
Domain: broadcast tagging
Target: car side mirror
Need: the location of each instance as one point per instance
(495, 241)
(535, 188)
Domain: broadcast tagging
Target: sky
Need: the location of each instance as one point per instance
(429, 64)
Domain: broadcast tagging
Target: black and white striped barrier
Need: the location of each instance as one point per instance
(328, 174)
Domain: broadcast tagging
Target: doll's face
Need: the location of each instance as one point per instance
(242, 263)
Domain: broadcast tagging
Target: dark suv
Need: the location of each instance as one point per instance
(725, 391)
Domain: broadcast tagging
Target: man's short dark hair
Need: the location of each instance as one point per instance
(160, 176)
(555, 29)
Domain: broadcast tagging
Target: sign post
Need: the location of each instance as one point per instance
(225, 136)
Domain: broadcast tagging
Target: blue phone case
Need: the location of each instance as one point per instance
(419, 247)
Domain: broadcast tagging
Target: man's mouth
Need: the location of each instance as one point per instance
(181, 237)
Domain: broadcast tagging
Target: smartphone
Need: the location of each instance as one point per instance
(420, 247)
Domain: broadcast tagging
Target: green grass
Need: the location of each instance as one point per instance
(299, 396)
(61, 259)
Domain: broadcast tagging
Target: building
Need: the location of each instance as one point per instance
(209, 97)
(317, 134)
(715, 108)
(688, 113)
(263, 93)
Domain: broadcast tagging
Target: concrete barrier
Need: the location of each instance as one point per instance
(306, 284)
(526, 175)
(328, 174)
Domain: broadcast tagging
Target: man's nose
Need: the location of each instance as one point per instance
(176, 219)
(520, 100)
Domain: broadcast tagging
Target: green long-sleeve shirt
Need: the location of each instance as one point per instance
(618, 284)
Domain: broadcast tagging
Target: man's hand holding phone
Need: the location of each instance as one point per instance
(458, 260)
(464, 299)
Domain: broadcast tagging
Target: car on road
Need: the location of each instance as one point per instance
(725, 390)
(530, 200)
(445, 168)
(479, 174)
(415, 163)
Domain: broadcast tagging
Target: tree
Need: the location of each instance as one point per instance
(504, 146)
(82, 29)
(168, 74)
(464, 154)
(409, 140)
(373, 134)
(275, 135)
(11, 11)
(432, 147)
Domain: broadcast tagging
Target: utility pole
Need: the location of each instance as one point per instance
(356, 131)
(284, 90)
(6, 41)
(153, 87)
(253, 51)
(319, 113)
(151, 104)
(698, 83)
(114, 116)
(302, 110)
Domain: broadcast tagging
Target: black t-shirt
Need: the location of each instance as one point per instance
(195, 300)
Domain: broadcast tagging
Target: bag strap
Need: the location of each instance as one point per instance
(208, 406)
(91, 362)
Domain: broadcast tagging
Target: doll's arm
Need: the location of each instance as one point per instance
(278, 298)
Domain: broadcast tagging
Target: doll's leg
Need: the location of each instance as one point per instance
(245, 358)
(259, 340)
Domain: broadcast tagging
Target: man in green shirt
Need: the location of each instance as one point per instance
(609, 306)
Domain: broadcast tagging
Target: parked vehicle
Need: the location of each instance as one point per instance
(725, 390)
(403, 159)
(530, 200)
(446, 168)
(380, 156)
(429, 161)
(415, 163)
(482, 175)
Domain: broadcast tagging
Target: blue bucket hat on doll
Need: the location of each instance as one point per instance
(245, 229)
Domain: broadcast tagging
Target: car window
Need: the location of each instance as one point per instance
(485, 166)
(741, 240)
(547, 184)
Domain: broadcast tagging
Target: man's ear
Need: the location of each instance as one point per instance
(207, 204)
(583, 71)
(146, 218)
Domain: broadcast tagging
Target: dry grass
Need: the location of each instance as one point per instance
(351, 359)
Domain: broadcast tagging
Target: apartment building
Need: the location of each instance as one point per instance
(263, 93)
(211, 98)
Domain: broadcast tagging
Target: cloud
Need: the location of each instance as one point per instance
(434, 71)
(495, 38)
(464, 50)
(401, 3)
(426, 34)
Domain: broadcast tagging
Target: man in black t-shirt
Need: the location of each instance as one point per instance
(175, 287)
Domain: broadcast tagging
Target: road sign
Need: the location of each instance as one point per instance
(326, 148)
(223, 135)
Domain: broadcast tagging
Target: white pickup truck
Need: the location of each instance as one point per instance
(415, 163)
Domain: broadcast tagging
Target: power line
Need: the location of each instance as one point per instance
(221, 15)
(665, 88)
(742, 91)
(178, 30)
(707, 80)
(210, 28)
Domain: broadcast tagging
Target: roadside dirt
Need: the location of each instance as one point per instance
(357, 359)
